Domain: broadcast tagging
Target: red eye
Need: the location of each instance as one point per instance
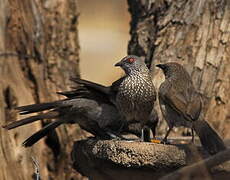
(131, 60)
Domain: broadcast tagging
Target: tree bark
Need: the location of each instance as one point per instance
(195, 34)
(38, 52)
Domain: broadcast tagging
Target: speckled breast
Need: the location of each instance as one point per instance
(136, 97)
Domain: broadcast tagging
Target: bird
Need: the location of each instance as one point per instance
(181, 105)
(133, 94)
(150, 126)
(86, 108)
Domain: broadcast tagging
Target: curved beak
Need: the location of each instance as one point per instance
(160, 66)
(118, 64)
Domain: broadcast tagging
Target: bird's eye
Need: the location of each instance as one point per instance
(131, 60)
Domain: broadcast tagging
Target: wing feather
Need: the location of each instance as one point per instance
(186, 102)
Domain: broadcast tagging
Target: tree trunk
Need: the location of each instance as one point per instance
(195, 34)
(38, 52)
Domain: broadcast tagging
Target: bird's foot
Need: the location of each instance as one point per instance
(116, 136)
(154, 140)
(164, 141)
(192, 142)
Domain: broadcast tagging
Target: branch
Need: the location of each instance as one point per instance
(192, 169)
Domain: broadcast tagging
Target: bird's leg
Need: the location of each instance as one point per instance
(145, 134)
(164, 141)
(142, 132)
(154, 133)
(193, 139)
(123, 124)
(116, 135)
(142, 135)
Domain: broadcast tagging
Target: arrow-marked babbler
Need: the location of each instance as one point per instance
(134, 94)
(181, 105)
(93, 112)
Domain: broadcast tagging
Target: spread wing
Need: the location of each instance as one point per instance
(186, 102)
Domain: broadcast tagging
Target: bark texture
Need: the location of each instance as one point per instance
(38, 52)
(195, 34)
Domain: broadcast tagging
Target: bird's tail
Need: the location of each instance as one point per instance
(48, 115)
(41, 133)
(209, 139)
(91, 85)
(37, 107)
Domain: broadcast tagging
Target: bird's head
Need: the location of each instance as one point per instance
(132, 64)
(172, 69)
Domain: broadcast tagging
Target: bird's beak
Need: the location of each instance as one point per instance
(160, 66)
(118, 64)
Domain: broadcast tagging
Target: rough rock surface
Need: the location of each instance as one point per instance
(98, 159)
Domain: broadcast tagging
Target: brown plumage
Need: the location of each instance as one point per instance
(181, 105)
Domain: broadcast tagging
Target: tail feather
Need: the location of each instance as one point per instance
(69, 94)
(209, 139)
(36, 107)
(78, 93)
(41, 133)
(89, 84)
(48, 115)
